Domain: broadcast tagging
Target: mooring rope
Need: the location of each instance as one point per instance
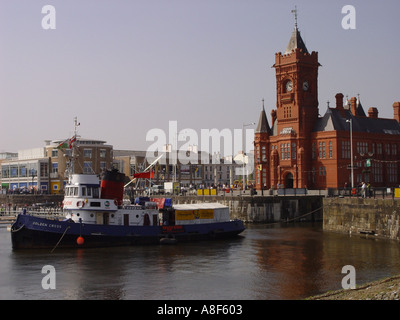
(18, 229)
(60, 239)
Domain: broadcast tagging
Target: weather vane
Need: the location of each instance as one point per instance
(295, 16)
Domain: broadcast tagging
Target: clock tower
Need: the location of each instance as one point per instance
(293, 121)
(296, 87)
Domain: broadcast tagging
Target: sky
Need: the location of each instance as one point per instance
(125, 67)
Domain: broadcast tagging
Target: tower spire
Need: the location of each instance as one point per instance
(295, 40)
(263, 125)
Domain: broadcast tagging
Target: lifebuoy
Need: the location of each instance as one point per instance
(80, 204)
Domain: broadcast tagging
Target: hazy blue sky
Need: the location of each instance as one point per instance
(124, 67)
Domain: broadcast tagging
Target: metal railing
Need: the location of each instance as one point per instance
(373, 193)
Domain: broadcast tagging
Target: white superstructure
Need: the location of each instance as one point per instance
(83, 203)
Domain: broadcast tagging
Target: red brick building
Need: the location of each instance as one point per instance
(302, 149)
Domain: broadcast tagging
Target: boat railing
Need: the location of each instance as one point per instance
(12, 214)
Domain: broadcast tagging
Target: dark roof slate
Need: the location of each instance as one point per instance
(263, 125)
(333, 120)
(296, 42)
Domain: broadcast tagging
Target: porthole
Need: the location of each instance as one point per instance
(91, 215)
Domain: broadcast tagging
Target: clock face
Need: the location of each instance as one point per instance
(289, 86)
(305, 86)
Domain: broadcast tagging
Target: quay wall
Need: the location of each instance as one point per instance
(263, 209)
(377, 217)
(20, 200)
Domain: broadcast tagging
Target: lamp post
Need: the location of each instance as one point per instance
(351, 152)
(244, 173)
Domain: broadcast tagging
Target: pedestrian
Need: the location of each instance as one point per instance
(363, 189)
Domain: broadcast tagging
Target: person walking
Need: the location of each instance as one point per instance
(363, 189)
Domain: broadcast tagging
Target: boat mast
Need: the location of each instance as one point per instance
(72, 145)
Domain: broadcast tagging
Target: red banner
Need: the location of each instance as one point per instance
(159, 201)
(144, 175)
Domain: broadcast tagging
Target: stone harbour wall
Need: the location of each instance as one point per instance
(265, 209)
(258, 209)
(378, 217)
(20, 200)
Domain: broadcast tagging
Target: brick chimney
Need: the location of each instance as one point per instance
(339, 101)
(339, 104)
(396, 109)
(373, 113)
(353, 106)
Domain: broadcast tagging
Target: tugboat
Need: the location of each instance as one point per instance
(96, 216)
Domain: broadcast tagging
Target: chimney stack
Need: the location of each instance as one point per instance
(396, 109)
(373, 113)
(339, 101)
(353, 106)
(339, 104)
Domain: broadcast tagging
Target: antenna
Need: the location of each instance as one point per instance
(76, 124)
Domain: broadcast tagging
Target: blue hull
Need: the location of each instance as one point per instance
(33, 232)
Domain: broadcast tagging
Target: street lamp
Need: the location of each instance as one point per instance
(351, 152)
(244, 174)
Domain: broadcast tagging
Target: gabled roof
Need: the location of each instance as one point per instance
(333, 121)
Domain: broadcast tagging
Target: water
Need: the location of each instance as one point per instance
(268, 262)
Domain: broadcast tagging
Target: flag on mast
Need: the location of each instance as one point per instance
(63, 145)
(71, 141)
(67, 143)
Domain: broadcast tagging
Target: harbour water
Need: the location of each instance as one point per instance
(268, 262)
